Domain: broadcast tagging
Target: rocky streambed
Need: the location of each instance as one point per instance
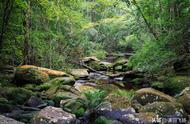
(96, 93)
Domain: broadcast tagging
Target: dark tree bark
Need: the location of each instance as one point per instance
(8, 6)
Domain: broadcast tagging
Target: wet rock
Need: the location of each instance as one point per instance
(165, 109)
(6, 120)
(184, 99)
(149, 95)
(79, 73)
(53, 115)
(34, 101)
(30, 75)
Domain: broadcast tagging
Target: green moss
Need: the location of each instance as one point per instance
(15, 95)
(174, 85)
(30, 75)
(62, 96)
(102, 120)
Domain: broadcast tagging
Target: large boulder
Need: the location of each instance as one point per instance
(184, 99)
(50, 72)
(80, 73)
(53, 115)
(6, 120)
(30, 75)
(150, 95)
(145, 96)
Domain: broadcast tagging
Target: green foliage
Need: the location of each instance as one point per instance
(92, 99)
(152, 57)
(129, 94)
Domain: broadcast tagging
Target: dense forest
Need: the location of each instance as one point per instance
(94, 61)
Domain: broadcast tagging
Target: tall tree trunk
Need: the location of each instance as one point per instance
(27, 35)
(8, 6)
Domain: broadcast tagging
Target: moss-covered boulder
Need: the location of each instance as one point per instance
(145, 96)
(64, 92)
(120, 65)
(96, 64)
(14, 95)
(73, 106)
(117, 101)
(50, 72)
(30, 75)
(79, 73)
(62, 81)
(184, 99)
(164, 109)
(57, 82)
(174, 85)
